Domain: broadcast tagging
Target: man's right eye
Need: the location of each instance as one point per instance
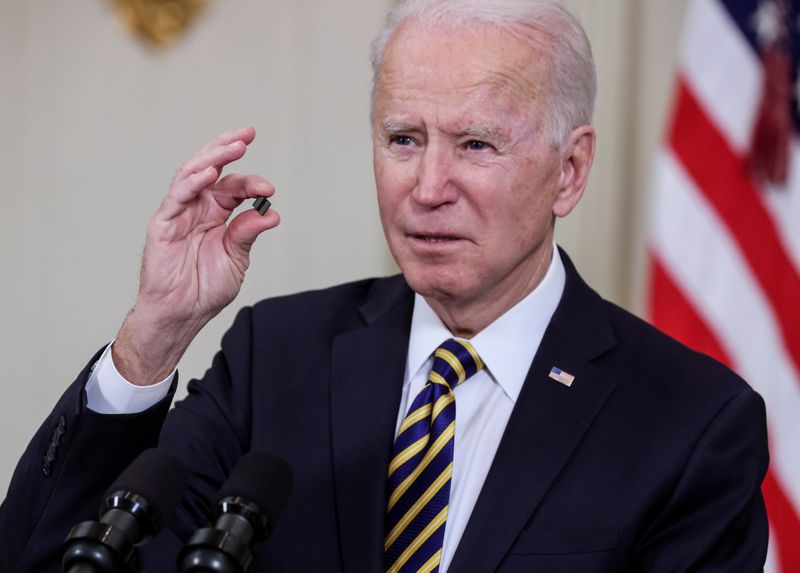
(401, 140)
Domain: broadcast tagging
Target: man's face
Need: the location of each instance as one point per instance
(467, 174)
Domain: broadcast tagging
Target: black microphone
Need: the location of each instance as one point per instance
(133, 510)
(248, 506)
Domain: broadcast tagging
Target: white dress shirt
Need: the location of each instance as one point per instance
(107, 392)
(483, 403)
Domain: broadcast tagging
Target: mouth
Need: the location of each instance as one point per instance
(435, 238)
(434, 243)
(433, 235)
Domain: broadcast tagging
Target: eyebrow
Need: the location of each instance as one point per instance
(482, 131)
(477, 131)
(390, 126)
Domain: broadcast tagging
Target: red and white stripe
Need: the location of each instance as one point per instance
(725, 251)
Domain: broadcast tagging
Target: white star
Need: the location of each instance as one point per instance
(767, 22)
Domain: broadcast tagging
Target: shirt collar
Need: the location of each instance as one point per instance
(507, 346)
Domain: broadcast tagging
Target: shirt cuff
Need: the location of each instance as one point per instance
(107, 392)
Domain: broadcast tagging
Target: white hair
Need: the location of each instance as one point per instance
(556, 33)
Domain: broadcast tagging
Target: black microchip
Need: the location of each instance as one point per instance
(261, 204)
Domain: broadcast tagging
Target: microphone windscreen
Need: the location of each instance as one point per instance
(262, 478)
(157, 476)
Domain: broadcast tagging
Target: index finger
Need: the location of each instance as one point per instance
(245, 134)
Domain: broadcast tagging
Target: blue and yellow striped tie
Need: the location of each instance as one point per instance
(422, 465)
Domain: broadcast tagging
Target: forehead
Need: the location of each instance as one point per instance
(470, 68)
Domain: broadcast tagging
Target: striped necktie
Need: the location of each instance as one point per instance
(422, 465)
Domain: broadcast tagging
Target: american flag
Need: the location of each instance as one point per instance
(725, 241)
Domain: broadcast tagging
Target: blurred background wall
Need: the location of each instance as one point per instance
(93, 125)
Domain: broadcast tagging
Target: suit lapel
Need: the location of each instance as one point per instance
(547, 424)
(366, 385)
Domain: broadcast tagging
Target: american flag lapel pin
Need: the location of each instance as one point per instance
(559, 375)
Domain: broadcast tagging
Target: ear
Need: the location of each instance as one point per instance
(577, 156)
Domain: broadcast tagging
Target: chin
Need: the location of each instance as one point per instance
(435, 283)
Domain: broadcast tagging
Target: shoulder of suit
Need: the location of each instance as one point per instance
(660, 358)
(336, 306)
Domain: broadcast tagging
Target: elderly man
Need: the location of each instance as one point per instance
(485, 411)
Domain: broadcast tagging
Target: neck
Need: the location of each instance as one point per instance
(467, 317)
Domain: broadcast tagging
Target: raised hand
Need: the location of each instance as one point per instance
(194, 259)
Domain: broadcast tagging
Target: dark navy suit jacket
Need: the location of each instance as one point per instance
(650, 462)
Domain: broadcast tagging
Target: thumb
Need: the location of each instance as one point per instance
(245, 228)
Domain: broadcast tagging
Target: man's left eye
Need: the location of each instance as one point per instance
(475, 145)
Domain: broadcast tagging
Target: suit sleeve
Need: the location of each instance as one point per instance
(209, 431)
(73, 457)
(716, 520)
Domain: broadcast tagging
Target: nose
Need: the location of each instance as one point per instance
(435, 184)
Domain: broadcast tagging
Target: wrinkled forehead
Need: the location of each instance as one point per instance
(511, 62)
